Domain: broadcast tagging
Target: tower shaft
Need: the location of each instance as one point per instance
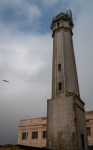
(65, 111)
(64, 75)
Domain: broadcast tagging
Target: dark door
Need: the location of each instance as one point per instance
(82, 141)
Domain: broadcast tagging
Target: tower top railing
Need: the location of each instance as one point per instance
(68, 14)
(64, 16)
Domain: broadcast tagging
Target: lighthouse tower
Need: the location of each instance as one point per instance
(65, 110)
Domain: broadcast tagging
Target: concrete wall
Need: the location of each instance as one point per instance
(81, 122)
(63, 53)
(69, 129)
(32, 125)
(62, 121)
(89, 123)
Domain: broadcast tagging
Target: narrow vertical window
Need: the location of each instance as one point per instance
(59, 67)
(88, 131)
(59, 86)
(44, 134)
(58, 24)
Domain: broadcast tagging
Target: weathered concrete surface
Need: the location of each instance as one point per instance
(89, 123)
(65, 110)
(32, 125)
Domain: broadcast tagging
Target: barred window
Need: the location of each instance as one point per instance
(24, 135)
(88, 131)
(35, 135)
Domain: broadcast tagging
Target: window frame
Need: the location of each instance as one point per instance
(59, 67)
(88, 131)
(44, 134)
(35, 135)
(58, 24)
(24, 135)
(59, 86)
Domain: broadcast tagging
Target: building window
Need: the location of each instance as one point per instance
(24, 135)
(59, 86)
(44, 134)
(59, 67)
(58, 24)
(34, 135)
(88, 131)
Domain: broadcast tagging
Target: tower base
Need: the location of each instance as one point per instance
(66, 122)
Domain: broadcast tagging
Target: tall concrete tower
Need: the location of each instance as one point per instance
(65, 110)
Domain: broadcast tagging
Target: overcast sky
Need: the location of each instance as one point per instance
(26, 58)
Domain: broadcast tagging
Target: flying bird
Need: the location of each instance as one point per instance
(5, 80)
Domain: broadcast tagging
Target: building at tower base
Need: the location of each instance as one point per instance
(66, 125)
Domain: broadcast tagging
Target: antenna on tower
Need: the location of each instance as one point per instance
(69, 13)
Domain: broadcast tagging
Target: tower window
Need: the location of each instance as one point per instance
(58, 24)
(59, 86)
(59, 67)
(88, 131)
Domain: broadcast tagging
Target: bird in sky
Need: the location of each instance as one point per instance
(5, 80)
